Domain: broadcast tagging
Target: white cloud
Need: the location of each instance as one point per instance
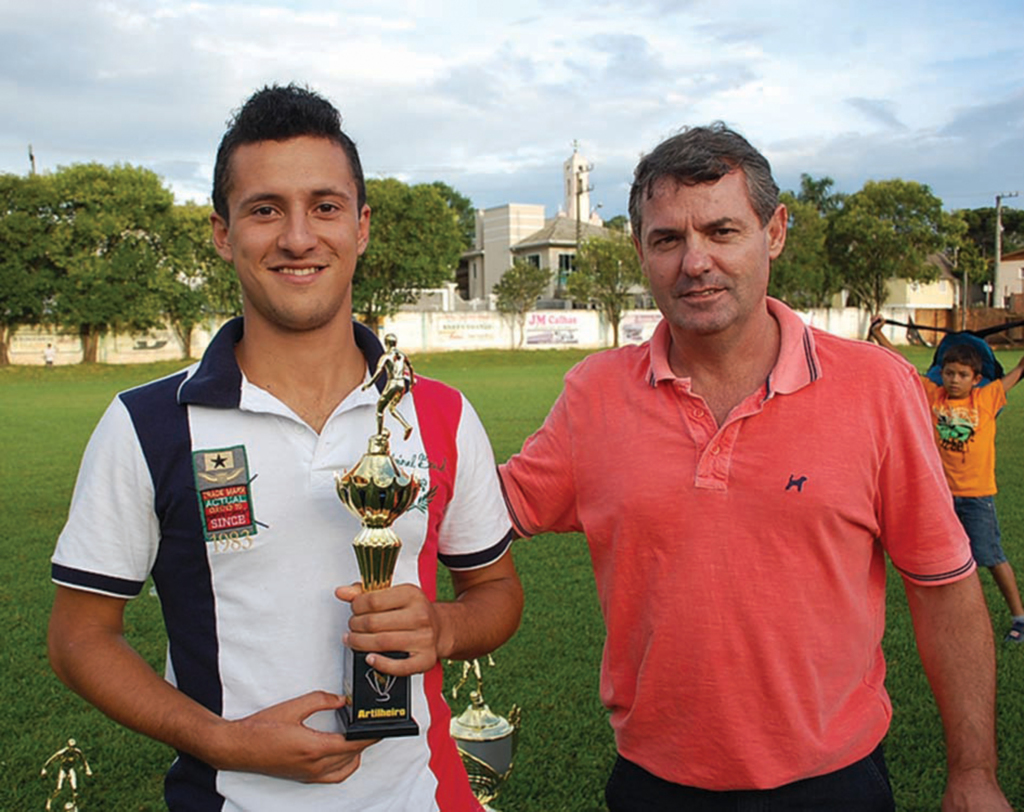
(491, 100)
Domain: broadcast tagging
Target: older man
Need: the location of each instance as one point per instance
(740, 479)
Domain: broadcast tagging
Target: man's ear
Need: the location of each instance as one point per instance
(777, 227)
(363, 240)
(220, 237)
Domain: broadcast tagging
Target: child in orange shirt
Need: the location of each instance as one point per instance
(964, 414)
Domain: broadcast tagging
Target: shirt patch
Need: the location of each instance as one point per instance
(225, 498)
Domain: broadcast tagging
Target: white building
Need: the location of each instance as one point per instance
(521, 231)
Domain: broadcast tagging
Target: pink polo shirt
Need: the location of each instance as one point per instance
(741, 569)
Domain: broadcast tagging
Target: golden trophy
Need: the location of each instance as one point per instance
(487, 742)
(68, 759)
(377, 491)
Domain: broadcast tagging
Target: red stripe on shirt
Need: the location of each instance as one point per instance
(438, 412)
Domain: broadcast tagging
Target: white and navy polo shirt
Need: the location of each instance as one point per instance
(227, 499)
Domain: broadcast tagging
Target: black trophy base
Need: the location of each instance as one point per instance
(378, 705)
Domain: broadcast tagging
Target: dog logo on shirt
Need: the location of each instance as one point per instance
(796, 482)
(225, 497)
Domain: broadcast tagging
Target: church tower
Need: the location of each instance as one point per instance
(576, 179)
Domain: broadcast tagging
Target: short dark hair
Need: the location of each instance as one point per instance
(963, 354)
(704, 155)
(276, 113)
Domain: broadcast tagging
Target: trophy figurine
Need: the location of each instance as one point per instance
(68, 759)
(487, 742)
(377, 491)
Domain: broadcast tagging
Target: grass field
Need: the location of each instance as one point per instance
(550, 667)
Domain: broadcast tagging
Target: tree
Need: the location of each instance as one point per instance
(518, 290)
(619, 222)
(802, 276)
(981, 229)
(415, 243)
(819, 194)
(887, 230)
(194, 283)
(26, 274)
(607, 269)
(464, 211)
(103, 248)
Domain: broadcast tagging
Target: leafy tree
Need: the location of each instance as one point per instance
(887, 230)
(26, 274)
(802, 276)
(619, 222)
(607, 269)
(415, 243)
(103, 248)
(518, 290)
(981, 230)
(464, 211)
(194, 282)
(819, 194)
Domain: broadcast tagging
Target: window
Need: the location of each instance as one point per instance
(534, 260)
(565, 267)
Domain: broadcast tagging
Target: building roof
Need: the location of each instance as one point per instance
(560, 231)
(1013, 255)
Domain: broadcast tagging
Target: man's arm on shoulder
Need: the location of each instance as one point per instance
(485, 613)
(1012, 378)
(89, 653)
(875, 333)
(954, 638)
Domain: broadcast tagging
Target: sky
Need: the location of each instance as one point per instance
(490, 97)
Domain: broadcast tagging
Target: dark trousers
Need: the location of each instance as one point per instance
(861, 787)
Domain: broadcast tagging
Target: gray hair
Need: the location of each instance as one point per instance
(704, 155)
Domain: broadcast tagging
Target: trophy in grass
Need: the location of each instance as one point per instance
(487, 742)
(68, 760)
(377, 491)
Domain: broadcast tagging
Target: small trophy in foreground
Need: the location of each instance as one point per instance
(68, 760)
(487, 742)
(377, 491)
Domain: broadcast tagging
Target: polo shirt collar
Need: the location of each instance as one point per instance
(796, 367)
(217, 381)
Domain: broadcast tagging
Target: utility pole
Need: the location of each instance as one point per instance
(31, 160)
(963, 289)
(999, 239)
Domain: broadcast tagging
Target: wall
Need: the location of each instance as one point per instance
(159, 345)
(434, 331)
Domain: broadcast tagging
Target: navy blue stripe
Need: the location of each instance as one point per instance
(181, 572)
(471, 561)
(218, 380)
(186, 787)
(371, 349)
(516, 524)
(812, 368)
(91, 580)
(941, 576)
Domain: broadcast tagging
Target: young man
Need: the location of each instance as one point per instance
(738, 501)
(964, 415)
(218, 482)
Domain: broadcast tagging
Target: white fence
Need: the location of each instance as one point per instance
(434, 332)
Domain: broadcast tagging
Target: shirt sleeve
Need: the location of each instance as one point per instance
(919, 529)
(110, 540)
(539, 482)
(475, 530)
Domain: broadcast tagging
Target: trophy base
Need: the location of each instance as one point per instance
(378, 705)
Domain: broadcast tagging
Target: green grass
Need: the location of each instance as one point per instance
(550, 667)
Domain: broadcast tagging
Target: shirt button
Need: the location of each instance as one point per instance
(715, 450)
(698, 413)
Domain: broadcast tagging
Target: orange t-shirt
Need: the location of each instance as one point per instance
(966, 433)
